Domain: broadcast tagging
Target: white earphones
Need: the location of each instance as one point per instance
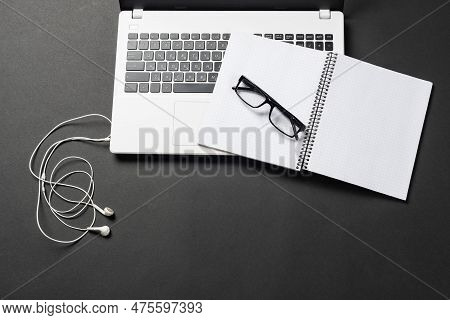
(107, 212)
(104, 231)
(47, 186)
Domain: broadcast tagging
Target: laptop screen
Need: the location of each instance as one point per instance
(232, 4)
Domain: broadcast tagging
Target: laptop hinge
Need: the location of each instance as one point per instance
(324, 14)
(137, 13)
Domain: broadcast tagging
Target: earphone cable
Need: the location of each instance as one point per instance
(79, 206)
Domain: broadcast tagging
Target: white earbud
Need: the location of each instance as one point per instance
(104, 231)
(51, 181)
(107, 212)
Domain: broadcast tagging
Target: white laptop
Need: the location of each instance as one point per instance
(169, 54)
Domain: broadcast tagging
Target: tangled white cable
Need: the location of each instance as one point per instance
(47, 185)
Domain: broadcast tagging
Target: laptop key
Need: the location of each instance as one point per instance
(310, 44)
(328, 46)
(217, 66)
(135, 66)
(268, 36)
(143, 87)
(195, 36)
(194, 55)
(161, 66)
(319, 36)
(189, 77)
(189, 45)
(148, 55)
(205, 55)
(174, 36)
(222, 45)
(289, 36)
(216, 56)
(193, 87)
(143, 45)
(144, 36)
(155, 87)
(196, 66)
(154, 45)
(215, 36)
(165, 45)
(167, 76)
(131, 87)
(300, 43)
(309, 37)
(132, 36)
(178, 76)
(150, 66)
(173, 66)
(154, 36)
(299, 36)
(177, 45)
(226, 36)
(207, 66)
(166, 87)
(212, 77)
(328, 37)
(132, 45)
(199, 45)
(156, 76)
(182, 55)
(185, 66)
(185, 36)
(164, 36)
(279, 36)
(319, 45)
(134, 55)
(205, 36)
(171, 56)
(202, 77)
(160, 55)
(137, 76)
(211, 45)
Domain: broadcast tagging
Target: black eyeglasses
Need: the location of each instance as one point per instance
(255, 97)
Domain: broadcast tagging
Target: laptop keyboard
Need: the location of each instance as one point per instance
(190, 62)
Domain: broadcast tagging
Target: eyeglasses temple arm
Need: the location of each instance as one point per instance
(294, 129)
(242, 88)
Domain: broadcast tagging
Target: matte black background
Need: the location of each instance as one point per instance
(228, 236)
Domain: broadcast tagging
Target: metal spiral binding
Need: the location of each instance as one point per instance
(316, 112)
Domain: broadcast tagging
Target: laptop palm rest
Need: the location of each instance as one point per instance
(187, 122)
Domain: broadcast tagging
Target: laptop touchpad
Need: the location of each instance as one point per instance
(187, 122)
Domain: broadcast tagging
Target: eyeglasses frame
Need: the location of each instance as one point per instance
(295, 122)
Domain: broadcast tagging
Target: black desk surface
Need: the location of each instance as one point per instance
(238, 235)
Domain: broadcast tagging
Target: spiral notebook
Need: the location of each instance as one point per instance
(363, 122)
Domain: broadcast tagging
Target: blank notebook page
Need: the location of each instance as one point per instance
(289, 74)
(370, 127)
